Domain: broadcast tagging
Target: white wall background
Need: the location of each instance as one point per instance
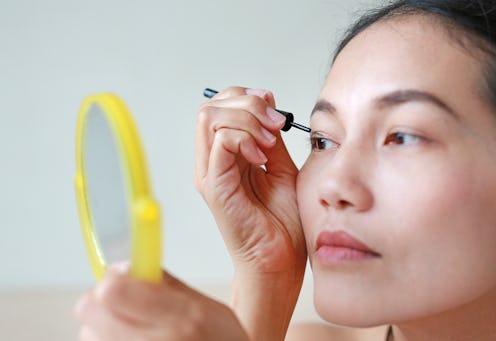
(158, 56)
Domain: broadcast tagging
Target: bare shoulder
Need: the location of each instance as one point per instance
(320, 331)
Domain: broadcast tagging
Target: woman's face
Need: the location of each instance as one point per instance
(403, 160)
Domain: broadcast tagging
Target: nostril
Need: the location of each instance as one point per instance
(343, 204)
(338, 204)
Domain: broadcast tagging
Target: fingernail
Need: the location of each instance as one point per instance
(262, 156)
(275, 116)
(120, 267)
(256, 92)
(268, 135)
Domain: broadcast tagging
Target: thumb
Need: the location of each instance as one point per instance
(279, 161)
(137, 300)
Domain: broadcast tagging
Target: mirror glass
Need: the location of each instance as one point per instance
(107, 192)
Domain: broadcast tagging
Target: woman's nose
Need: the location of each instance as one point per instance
(344, 182)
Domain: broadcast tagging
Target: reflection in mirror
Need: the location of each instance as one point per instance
(107, 187)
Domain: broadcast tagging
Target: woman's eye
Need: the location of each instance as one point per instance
(402, 139)
(321, 143)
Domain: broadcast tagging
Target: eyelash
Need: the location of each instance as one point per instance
(398, 138)
(316, 143)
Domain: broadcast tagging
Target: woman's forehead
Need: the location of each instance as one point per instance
(414, 52)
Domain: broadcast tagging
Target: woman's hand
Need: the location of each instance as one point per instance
(124, 308)
(255, 208)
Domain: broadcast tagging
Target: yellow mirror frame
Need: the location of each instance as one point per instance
(145, 211)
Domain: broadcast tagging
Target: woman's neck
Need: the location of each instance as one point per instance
(473, 321)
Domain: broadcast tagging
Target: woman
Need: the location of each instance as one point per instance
(394, 206)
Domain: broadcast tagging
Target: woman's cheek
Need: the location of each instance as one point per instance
(420, 198)
(441, 211)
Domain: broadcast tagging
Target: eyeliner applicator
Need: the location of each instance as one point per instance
(209, 93)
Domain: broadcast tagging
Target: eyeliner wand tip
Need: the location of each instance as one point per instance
(301, 127)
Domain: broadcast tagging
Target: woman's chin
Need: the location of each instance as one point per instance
(351, 309)
(350, 317)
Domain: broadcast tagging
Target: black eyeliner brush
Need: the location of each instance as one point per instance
(289, 116)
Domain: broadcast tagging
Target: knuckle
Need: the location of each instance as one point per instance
(234, 90)
(190, 331)
(184, 328)
(113, 292)
(204, 114)
(269, 94)
(197, 319)
(257, 104)
(202, 189)
(230, 138)
(222, 135)
(198, 185)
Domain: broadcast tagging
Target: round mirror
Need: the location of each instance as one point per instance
(120, 220)
(108, 197)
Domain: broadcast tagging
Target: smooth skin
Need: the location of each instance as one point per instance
(412, 180)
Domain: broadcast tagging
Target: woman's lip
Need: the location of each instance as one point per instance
(342, 240)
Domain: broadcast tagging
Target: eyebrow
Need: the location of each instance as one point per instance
(393, 99)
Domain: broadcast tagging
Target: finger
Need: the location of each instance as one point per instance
(140, 301)
(120, 293)
(210, 121)
(266, 95)
(234, 91)
(99, 322)
(87, 334)
(228, 145)
(276, 157)
(257, 106)
(231, 91)
(279, 162)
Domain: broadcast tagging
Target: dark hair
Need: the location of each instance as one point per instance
(475, 19)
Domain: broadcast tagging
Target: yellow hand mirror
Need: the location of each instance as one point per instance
(119, 217)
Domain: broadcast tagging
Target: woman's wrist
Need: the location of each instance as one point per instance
(264, 302)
